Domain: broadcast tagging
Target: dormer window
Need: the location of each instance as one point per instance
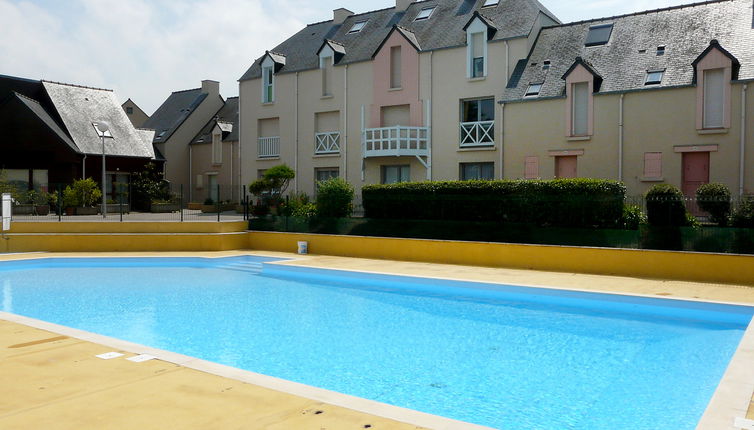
(425, 13)
(599, 35)
(326, 65)
(490, 3)
(268, 92)
(654, 77)
(357, 27)
(533, 90)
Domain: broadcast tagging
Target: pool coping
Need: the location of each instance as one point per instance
(731, 398)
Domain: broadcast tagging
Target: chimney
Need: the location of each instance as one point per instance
(402, 5)
(340, 15)
(211, 87)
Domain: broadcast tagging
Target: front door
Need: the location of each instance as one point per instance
(565, 166)
(213, 191)
(695, 174)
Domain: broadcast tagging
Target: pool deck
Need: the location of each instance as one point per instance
(51, 380)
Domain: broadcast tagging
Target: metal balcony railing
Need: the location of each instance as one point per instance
(327, 143)
(268, 147)
(477, 133)
(396, 141)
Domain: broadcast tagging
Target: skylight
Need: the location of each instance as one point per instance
(654, 77)
(488, 3)
(533, 90)
(661, 50)
(598, 35)
(425, 13)
(357, 27)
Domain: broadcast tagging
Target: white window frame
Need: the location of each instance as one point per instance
(217, 148)
(490, 3)
(706, 107)
(477, 26)
(656, 81)
(357, 27)
(268, 70)
(574, 100)
(421, 17)
(533, 89)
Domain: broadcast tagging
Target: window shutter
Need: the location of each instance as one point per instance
(477, 40)
(652, 164)
(326, 76)
(713, 98)
(395, 67)
(580, 108)
(531, 170)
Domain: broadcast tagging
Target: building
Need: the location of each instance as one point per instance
(177, 121)
(214, 155)
(467, 89)
(137, 116)
(50, 139)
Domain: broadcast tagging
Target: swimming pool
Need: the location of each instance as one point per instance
(502, 356)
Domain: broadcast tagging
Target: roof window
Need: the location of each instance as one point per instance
(162, 133)
(533, 90)
(654, 77)
(357, 27)
(425, 13)
(598, 35)
(546, 65)
(661, 50)
(488, 3)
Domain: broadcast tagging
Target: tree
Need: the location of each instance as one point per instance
(273, 184)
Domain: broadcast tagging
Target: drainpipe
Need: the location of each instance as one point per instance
(620, 139)
(83, 168)
(502, 140)
(429, 121)
(295, 122)
(507, 71)
(231, 167)
(191, 175)
(344, 140)
(743, 141)
(240, 164)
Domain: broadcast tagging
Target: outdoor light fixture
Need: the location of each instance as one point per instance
(102, 128)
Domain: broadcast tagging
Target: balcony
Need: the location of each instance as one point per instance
(327, 143)
(478, 133)
(268, 147)
(396, 141)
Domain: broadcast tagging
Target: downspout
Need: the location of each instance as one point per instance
(231, 167)
(620, 139)
(502, 140)
(295, 122)
(240, 169)
(743, 141)
(83, 168)
(191, 176)
(507, 65)
(429, 120)
(344, 141)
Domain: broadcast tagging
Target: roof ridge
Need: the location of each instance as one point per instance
(185, 91)
(368, 12)
(76, 85)
(644, 12)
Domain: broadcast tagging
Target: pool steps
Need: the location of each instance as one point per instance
(244, 266)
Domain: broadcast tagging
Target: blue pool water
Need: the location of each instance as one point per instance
(501, 356)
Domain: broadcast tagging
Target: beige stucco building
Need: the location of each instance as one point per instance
(135, 114)
(453, 89)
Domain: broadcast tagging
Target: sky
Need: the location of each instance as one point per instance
(146, 49)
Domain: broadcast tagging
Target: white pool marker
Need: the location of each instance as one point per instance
(141, 358)
(744, 424)
(110, 355)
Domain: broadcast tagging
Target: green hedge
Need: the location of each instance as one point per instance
(561, 202)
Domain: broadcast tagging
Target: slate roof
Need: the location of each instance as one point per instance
(685, 31)
(173, 112)
(444, 29)
(79, 106)
(36, 108)
(226, 118)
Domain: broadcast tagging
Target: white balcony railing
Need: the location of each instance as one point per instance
(327, 143)
(268, 147)
(478, 133)
(396, 141)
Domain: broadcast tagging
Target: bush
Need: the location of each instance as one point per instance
(293, 203)
(560, 202)
(743, 216)
(633, 217)
(665, 206)
(715, 200)
(308, 210)
(148, 186)
(83, 193)
(273, 184)
(334, 197)
(208, 201)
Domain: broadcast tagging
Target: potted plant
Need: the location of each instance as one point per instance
(209, 206)
(41, 202)
(83, 195)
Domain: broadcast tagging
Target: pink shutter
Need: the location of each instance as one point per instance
(531, 170)
(653, 164)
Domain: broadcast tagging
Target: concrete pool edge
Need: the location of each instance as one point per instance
(371, 407)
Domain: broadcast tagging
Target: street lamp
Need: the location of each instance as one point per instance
(102, 128)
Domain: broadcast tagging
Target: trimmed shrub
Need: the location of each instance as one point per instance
(665, 206)
(561, 202)
(83, 193)
(293, 202)
(743, 216)
(715, 200)
(633, 217)
(334, 197)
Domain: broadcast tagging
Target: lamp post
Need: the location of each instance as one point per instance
(102, 128)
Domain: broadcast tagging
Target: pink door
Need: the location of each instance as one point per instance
(565, 166)
(695, 174)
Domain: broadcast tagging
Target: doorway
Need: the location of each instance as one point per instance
(565, 166)
(695, 174)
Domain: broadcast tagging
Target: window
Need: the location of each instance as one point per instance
(653, 165)
(546, 65)
(395, 174)
(326, 65)
(580, 109)
(217, 149)
(162, 133)
(654, 78)
(395, 67)
(325, 173)
(107, 133)
(598, 35)
(488, 3)
(714, 95)
(477, 171)
(268, 94)
(478, 122)
(477, 55)
(357, 27)
(531, 167)
(425, 13)
(661, 50)
(129, 110)
(533, 90)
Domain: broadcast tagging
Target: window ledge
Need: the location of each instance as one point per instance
(477, 79)
(268, 104)
(713, 131)
(395, 89)
(578, 138)
(217, 164)
(643, 179)
(328, 96)
(477, 148)
(268, 158)
(334, 154)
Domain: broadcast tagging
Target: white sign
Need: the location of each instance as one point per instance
(6, 211)
(110, 355)
(140, 358)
